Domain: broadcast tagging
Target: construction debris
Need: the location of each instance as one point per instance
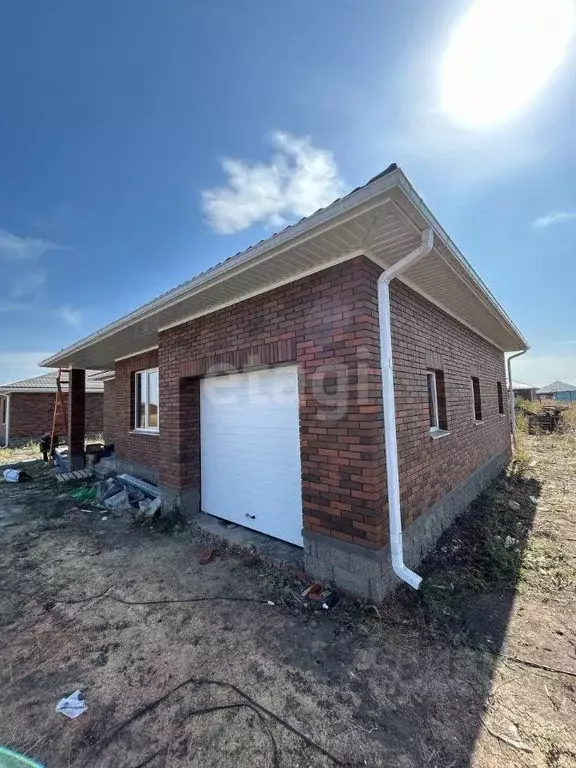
(120, 501)
(142, 485)
(72, 706)
(316, 594)
(124, 493)
(83, 494)
(105, 489)
(12, 475)
(67, 477)
(206, 556)
(150, 507)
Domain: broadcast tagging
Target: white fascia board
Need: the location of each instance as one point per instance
(267, 247)
(133, 354)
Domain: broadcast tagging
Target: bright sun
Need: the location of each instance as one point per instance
(501, 53)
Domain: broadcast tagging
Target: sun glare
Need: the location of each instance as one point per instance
(500, 55)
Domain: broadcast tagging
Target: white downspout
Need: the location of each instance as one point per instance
(386, 363)
(7, 425)
(511, 393)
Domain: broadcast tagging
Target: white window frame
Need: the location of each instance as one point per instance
(146, 428)
(431, 376)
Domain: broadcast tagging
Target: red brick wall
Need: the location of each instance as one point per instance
(328, 323)
(131, 445)
(31, 414)
(424, 338)
(110, 412)
(326, 318)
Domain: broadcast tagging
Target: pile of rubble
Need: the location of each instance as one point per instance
(548, 418)
(126, 494)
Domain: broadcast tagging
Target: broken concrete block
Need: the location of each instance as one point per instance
(149, 507)
(107, 488)
(120, 501)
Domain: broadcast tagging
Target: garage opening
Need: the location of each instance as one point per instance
(250, 451)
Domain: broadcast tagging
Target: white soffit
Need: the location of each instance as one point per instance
(385, 225)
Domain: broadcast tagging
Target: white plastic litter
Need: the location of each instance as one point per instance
(72, 706)
(12, 475)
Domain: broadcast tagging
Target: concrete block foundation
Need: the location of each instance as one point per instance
(367, 573)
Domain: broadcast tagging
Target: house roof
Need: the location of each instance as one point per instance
(383, 220)
(521, 385)
(556, 386)
(47, 383)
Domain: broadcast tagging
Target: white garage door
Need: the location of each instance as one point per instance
(251, 471)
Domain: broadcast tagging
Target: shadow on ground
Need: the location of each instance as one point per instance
(406, 684)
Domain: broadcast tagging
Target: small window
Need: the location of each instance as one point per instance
(4, 401)
(476, 398)
(500, 397)
(146, 400)
(436, 401)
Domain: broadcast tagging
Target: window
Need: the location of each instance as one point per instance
(146, 400)
(476, 398)
(500, 397)
(4, 401)
(437, 401)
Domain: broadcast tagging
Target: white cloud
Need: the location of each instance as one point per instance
(554, 218)
(71, 316)
(299, 179)
(14, 248)
(20, 365)
(27, 284)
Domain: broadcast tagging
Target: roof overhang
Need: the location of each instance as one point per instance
(382, 220)
(104, 376)
(27, 390)
(41, 390)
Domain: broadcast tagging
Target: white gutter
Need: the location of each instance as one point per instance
(7, 425)
(386, 363)
(511, 393)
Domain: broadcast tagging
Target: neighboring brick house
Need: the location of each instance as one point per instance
(27, 409)
(266, 390)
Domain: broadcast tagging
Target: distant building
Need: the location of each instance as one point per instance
(524, 391)
(558, 390)
(27, 408)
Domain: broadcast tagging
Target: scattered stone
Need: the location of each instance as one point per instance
(514, 506)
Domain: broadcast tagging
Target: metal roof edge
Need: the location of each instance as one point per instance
(392, 177)
(379, 184)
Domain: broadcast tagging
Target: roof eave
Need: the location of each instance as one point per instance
(322, 217)
(374, 192)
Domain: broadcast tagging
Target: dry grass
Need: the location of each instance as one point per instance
(13, 455)
(434, 678)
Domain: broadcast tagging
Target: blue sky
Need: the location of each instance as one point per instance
(141, 142)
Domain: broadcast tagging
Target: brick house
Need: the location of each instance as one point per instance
(340, 386)
(27, 409)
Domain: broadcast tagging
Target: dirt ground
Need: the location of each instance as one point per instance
(184, 664)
